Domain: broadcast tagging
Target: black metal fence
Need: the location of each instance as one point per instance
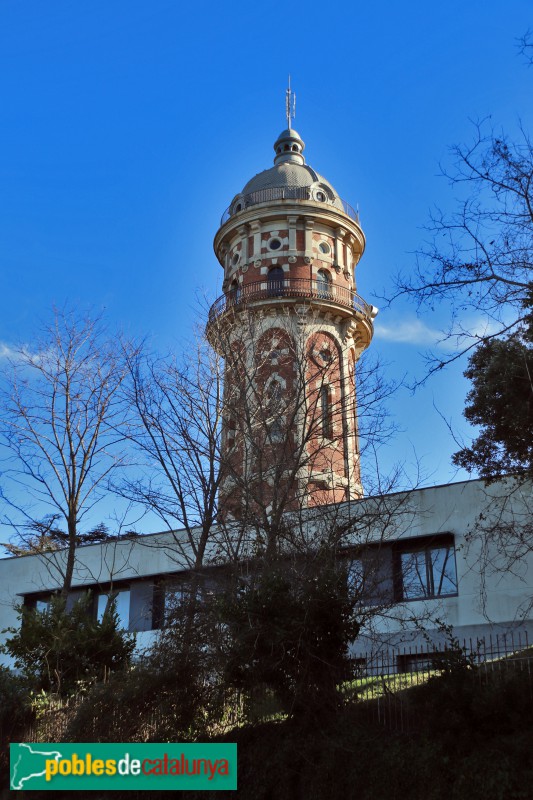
(386, 677)
(384, 689)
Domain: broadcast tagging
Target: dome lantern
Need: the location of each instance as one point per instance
(289, 148)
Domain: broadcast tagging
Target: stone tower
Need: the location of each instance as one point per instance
(291, 328)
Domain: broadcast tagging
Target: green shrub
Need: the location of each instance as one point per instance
(173, 693)
(16, 711)
(288, 631)
(142, 705)
(58, 650)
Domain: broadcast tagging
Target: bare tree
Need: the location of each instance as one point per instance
(177, 404)
(479, 265)
(525, 47)
(223, 462)
(62, 428)
(480, 258)
(252, 473)
(499, 546)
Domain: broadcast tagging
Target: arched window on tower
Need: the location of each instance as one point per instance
(235, 292)
(276, 431)
(275, 395)
(323, 281)
(325, 412)
(230, 433)
(275, 281)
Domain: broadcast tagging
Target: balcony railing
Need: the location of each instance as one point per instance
(290, 288)
(278, 193)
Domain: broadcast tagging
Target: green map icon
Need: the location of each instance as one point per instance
(28, 763)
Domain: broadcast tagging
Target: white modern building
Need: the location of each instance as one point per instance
(454, 553)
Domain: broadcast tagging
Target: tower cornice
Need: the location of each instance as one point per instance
(262, 213)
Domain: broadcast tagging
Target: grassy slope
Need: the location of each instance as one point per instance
(469, 738)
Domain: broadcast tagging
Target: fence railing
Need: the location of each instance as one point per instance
(291, 288)
(382, 688)
(283, 193)
(385, 676)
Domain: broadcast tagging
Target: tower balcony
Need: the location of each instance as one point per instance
(337, 299)
(275, 193)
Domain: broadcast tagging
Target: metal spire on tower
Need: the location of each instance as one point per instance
(290, 104)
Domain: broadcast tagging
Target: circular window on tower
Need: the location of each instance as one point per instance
(274, 244)
(324, 247)
(320, 196)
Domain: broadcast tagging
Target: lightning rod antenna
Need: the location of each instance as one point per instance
(290, 105)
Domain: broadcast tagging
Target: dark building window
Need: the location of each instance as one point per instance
(275, 396)
(276, 432)
(355, 576)
(235, 292)
(325, 411)
(39, 603)
(323, 283)
(416, 662)
(122, 605)
(275, 281)
(426, 570)
(97, 606)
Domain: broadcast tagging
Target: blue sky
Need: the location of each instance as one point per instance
(127, 127)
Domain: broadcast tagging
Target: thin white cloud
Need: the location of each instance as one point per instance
(6, 351)
(480, 327)
(466, 331)
(409, 331)
(16, 354)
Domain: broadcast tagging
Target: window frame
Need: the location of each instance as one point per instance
(99, 611)
(326, 418)
(425, 546)
(324, 284)
(275, 281)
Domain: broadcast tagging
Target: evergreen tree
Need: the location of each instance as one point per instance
(59, 649)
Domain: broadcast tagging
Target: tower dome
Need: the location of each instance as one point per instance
(289, 178)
